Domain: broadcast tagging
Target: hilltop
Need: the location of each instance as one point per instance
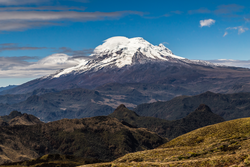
(17, 118)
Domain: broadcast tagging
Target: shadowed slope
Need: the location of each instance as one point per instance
(228, 106)
(102, 138)
(202, 116)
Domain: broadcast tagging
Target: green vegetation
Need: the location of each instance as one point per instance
(222, 144)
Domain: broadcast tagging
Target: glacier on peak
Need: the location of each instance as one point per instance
(121, 51)
(129, 46)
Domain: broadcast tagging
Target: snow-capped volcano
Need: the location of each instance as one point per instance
(135, 64)
(122, 51)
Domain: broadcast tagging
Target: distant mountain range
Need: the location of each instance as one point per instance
(79, 103)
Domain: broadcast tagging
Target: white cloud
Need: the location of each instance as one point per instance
(240, 29)
(207, 22)
(231, 62)
(19, 67)
(225, 34)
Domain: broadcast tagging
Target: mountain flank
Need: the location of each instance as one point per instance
(102, 138)
(202, 116)
(228, 106)
(222, 144)
(7, 87)
(51, 105)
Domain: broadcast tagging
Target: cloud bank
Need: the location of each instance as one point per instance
(20, 67)
(230, 62)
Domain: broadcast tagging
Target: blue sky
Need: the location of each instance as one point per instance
(31, 30)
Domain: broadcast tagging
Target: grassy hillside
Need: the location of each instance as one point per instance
(223, 144)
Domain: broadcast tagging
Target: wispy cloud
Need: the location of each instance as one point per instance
(207, 22)
(43, 8)
(240, 29)
(165, 43)
(229, 9)
(225, 34)
(171, 13)
(177, 12)
(21, 18)
(230, 62)
(14, 46)
(84, 53)
(199, 11)
(21, 2)
(24, 2)
(20, 66)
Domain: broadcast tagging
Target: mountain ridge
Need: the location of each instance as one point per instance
(101, 137)
(198, 118)
(229, 106)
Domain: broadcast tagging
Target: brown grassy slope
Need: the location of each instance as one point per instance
(223, 144)
(101, 137)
